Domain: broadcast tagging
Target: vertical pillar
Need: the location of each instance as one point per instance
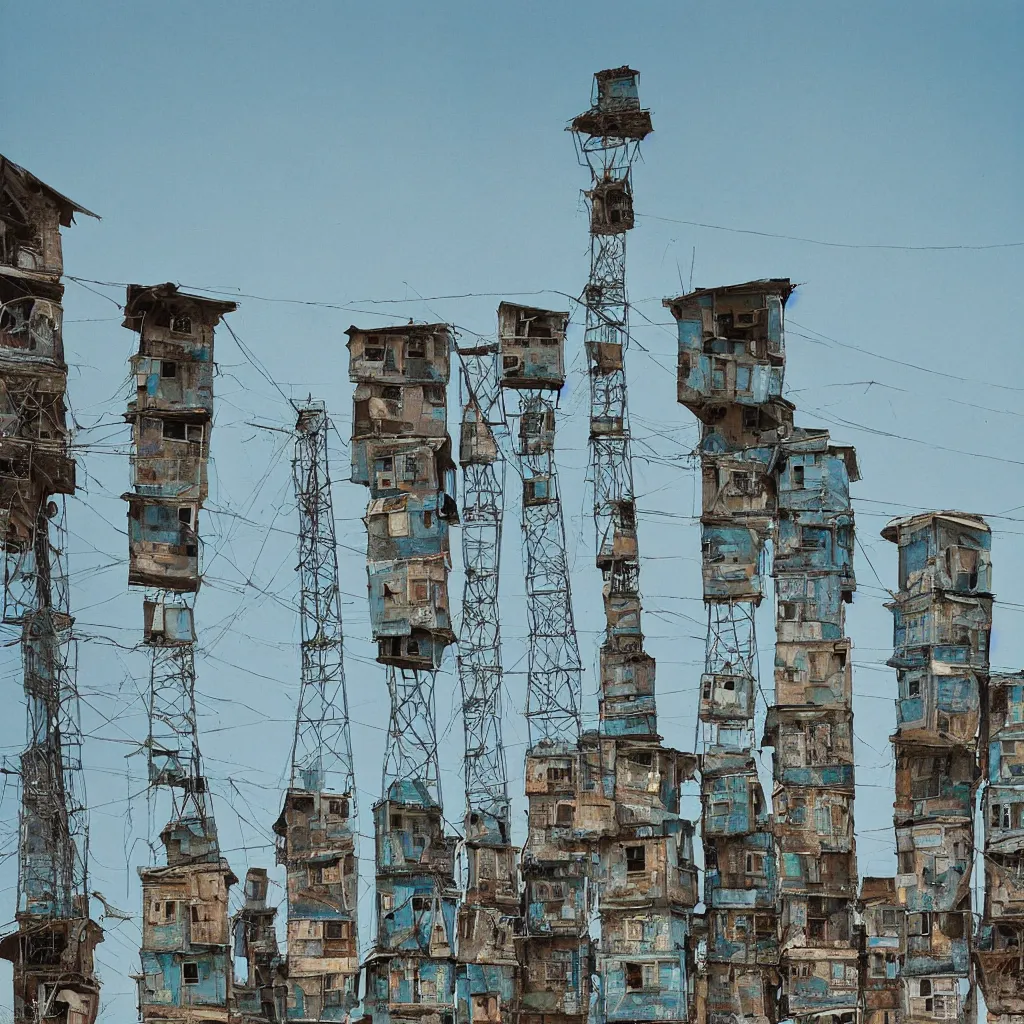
(52, 947)
(942, 619)
(556, 951)
(186, 948)
(730, 374)
(810, 728)
(316, 833)
(487, 976)
(401, 451)
(645, 876)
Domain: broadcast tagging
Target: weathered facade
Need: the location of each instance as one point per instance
(52, 947)
(730, 372)
(883, 945)
(812, 736)
(186, 951)
(186, 943)
(316, 836)
(401, 451)
(489, 920)
(942, 620)
(645, 879)
(999, 942)
(264, 994)
(555, 949)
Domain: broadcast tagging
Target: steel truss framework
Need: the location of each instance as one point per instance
(53, 845)
(412, 734)
(322, 750)
(479, 661)
(554, 671)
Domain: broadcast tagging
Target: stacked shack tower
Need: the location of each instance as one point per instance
(942, 621)
(186, 949)
(646, 879)
(52, 948)
(731, 362)
(999, 945)
(401, 451)
(810, 728)
(316, 829)
(556, 949)
(486, 975)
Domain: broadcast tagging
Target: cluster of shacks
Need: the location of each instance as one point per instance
(784, 933)
(780, 883)
(942, 620)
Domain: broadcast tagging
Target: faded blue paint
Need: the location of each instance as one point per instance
(628, 715)
(722, 369)
(483, 979)
(807, 995)
(928, 543)
(815, 542)
(825, 487)
(189, 390)
(663, 992)
(921, 961)
(404, 981)
(837, 776)
(824, 605)
(162, 982)
(419, 912)
(728, 805)
(756, 891)
(731, 559)
(556, 906)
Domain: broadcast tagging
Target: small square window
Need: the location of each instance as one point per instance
(168, 370)
(181, 324)
(636, 858)
(185, 515)
(190, 973)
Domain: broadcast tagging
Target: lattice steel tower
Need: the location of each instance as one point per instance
(52, 948)
(486, 975)
(186, 966)
(532, 347)
(316, 833)
(557, 952)
(402, 452)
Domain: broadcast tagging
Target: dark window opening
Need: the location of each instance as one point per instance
(636, 858)
(174, 430)
(634, 977)
(168, 369)
(190, 973)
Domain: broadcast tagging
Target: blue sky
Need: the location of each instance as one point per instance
(338, 153)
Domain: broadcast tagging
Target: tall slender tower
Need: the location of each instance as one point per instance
(646, 878)
(810, 728)
(186, 947)
(316, 829)
(401, 451)
(731, 361)
(556, 952)
(486, 975)
(999, 943)
(52, 946)
(942, 616)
